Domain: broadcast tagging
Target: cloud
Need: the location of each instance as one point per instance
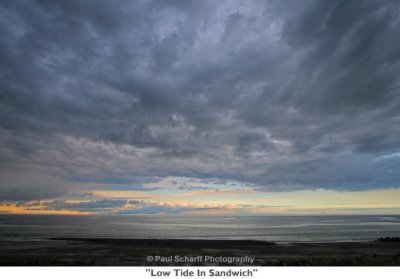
(115, 207)
(278, 94)
(94, 206)
(91, 206)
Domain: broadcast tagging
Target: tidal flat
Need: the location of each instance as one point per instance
(143, 252)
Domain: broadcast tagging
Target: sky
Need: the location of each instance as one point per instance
(200, 107)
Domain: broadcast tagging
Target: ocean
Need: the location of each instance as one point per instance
(269, 228)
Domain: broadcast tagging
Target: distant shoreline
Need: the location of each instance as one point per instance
(179, 242)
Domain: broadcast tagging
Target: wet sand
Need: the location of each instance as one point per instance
(135, 252)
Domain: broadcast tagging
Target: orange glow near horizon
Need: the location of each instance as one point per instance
(224, 201)
(13, 209)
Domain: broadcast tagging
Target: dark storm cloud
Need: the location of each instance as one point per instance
(284, 94)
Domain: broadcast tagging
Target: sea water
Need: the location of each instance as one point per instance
(269, 228)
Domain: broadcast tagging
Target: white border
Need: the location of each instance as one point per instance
(141, 273)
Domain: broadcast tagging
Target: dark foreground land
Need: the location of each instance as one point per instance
(134, 252)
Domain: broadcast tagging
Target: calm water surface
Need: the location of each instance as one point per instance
(271, 228)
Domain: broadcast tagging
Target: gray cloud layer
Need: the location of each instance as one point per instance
(282, 94)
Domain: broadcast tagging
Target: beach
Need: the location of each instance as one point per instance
(199, 241)
(178, 252)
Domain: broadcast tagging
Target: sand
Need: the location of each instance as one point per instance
(138, 252)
